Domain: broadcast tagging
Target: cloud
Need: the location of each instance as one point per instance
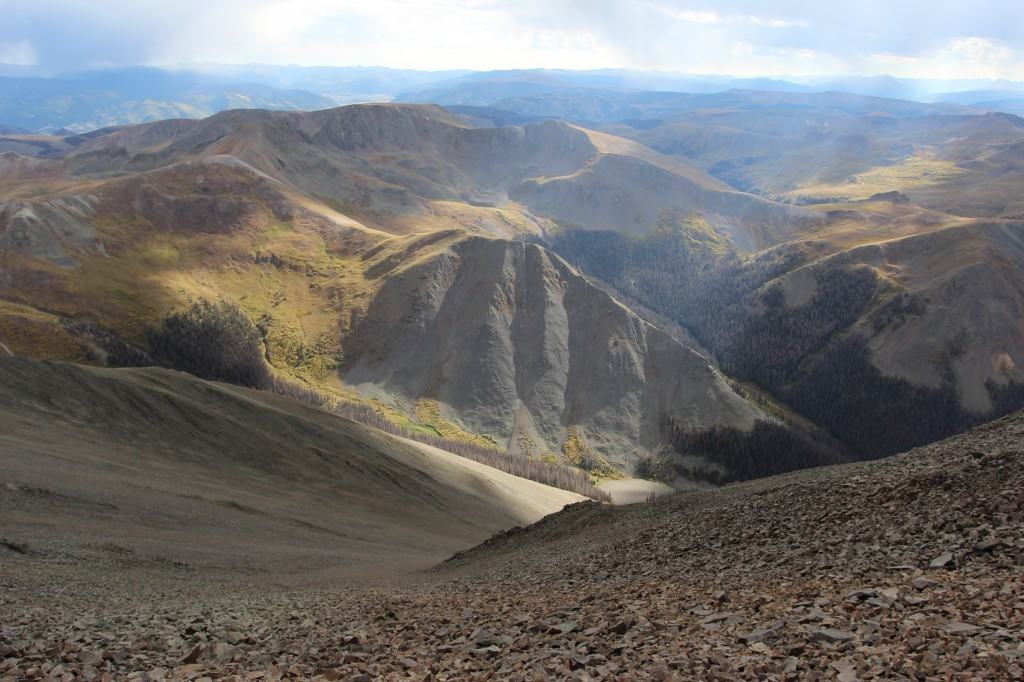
(20, 52)
(778, 23)
(691, 16)
(794, 37)
(713, 17)
(960, 58)
(978, 49)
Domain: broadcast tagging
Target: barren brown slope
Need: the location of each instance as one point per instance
(972, 280)
(152, 470)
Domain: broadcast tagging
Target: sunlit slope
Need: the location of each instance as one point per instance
(409, 168)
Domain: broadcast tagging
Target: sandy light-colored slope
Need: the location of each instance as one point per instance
(158, 471)
(634, 490)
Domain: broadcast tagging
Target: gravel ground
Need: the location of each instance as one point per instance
(906, 568)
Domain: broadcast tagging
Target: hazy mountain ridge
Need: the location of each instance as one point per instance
(101, 97)
(89, 100)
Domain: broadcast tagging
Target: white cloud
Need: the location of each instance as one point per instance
(691, 16)
(960, 58)
(778, 23)
(976, 49)
(20, 52)
(916, 38)
(802, 53)
(713, 17)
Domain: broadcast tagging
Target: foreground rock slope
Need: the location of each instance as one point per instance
(905, 568)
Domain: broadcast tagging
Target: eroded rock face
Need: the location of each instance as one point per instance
(52, 229)
(514, 343)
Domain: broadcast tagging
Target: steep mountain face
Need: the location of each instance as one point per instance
(513, 343)
(338, 233)
(887, 345)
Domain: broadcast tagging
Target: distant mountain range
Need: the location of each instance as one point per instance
(88, 100)
(37, 101)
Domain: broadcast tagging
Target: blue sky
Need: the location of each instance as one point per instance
(911, 38)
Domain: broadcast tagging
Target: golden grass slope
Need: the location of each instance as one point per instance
(920, 171)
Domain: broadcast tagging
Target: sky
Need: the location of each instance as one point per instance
(953, 39)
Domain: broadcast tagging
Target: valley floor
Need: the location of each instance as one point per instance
(906, 568)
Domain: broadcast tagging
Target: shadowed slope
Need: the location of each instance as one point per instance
(158, 469)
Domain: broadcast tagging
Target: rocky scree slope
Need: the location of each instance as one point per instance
(908, 568)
